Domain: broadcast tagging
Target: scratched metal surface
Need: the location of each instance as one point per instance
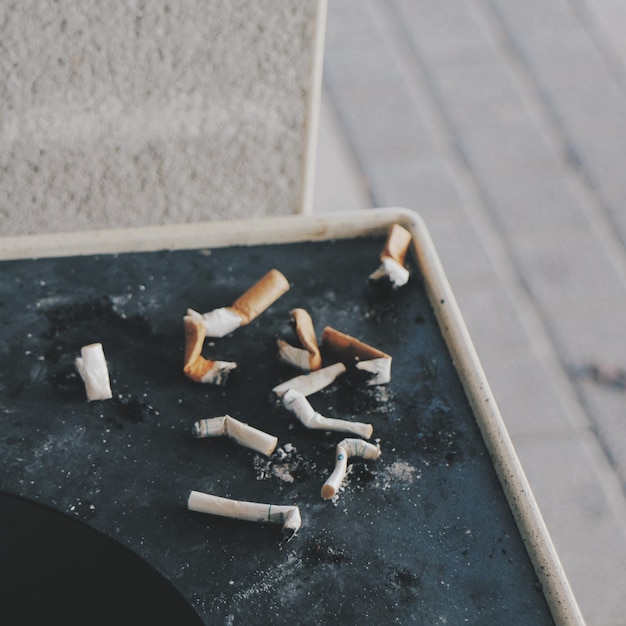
(423, 535)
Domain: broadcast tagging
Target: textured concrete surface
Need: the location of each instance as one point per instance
(133, 113)
(503, 123)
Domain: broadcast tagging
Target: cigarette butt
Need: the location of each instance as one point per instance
(92, 367)
(346, 449)
(295, 402)
(306, 334)
(347, 348)
(195, 366)
(393, 256)
(397, 244)
(288, 516)
(308, 384)
(307, 358)
(260, 296)
(244, 434)
(195, 333)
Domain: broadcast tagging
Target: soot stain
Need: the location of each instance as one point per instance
(66, 316)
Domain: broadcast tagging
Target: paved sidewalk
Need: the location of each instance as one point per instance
(503, 123)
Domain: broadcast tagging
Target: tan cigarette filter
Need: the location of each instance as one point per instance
(306, 335)
(346, 348)
(195, 366)
(397, 244)
(260, 296)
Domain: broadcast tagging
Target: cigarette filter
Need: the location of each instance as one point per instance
(243, 434)
(308, 384)
(251, 304)
(195, 366)
(295, 402)
(346, 449)
(347, 349)
(308, 357)
(393, 257)
(92, 367)
(288, 516)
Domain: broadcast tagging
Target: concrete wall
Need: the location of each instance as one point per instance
(116, 114)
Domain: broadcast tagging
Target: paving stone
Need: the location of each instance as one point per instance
(578, 495)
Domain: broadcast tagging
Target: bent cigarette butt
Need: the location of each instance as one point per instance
(295, 402)
(251, 304)
(397, 244)
(288, 516)
(393, 257)
(92, 367)
(307, 358)
(195, 366)
(260, 296)
(306, 335)
(308, 384)
(346, 449)
(347, 349)
(244, 434)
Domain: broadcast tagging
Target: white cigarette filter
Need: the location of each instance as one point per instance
(195, 366)
(251, 304)
(308, 384)
(393, 257)
(295, 402)
(348, 349)
(346, 449)
(308, 357)
(288, 516)
(243, 434)
(92, 367)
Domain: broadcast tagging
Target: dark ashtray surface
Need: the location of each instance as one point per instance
(422, 535)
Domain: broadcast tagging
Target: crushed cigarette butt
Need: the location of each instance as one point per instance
(308, 384)
(393, 256)
(240, 432)
(346, 449)
(288, 516)
(308, 357)
(250, 305)
(195, 366)
(296, 402)
(368, 359)
(92, 367)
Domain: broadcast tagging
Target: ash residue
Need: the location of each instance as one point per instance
(320, 552)
(65, 314)
(131, 409)
(399, 472)
(357, 398)
(286, 464)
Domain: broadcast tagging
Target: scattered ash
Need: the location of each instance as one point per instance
(398, 472)
(358, 398)
(320, 552)
(286, 464)
(133, 410)
(84, 510)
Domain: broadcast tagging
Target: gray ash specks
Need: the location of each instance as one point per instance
(83, 509)
(320, 552)
(131, 409)
(286, 464)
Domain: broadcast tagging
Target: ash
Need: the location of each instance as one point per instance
(286, 464)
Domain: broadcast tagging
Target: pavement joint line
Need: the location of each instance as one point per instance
(612, 58)
(487, 232)
(592, 201)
